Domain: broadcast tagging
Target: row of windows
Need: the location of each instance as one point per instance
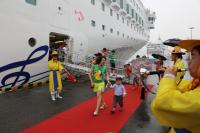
(93, 23)
(123, 35)
(129, 11)
(136, 5)
(123, 21)
(151, 18)
(128, 7)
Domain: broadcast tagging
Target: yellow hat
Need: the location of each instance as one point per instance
(54, 53)
(189, 44)
(177, 50)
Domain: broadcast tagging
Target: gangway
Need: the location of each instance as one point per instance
(83, 70)
(76, 67)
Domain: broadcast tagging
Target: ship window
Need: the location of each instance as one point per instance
(117, 32)
(111, 30)
(117, 16)
(103, 27)
(121, 4)
(127, 23)
(127, 8)
(103, 6)
(93, 23)
(111, 12)
(136, 16)
(93, 2)
(123, 34)
(32, 42)
(32, 2)
(132, 13)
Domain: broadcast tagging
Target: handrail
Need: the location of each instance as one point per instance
(79, 53)
(118, 69)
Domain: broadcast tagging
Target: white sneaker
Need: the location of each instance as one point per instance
(58, 96)
(53, 98)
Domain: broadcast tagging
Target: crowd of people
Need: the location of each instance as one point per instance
(63, 51)
(176, 103)
(100, 72)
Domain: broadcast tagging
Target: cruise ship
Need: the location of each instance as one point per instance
(30, 27)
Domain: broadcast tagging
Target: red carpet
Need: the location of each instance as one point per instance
(79, 119)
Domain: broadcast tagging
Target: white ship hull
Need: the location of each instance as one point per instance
(21, 21)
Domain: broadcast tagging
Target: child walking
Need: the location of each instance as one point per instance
(119, 93)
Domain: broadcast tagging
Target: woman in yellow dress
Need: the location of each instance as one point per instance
(178, 106)
(55, 83)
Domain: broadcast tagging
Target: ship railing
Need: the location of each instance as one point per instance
(79, 67)
(77, 58)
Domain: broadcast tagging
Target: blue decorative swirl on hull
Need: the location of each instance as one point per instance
(22, 64)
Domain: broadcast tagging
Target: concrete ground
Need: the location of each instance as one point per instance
(24, 108)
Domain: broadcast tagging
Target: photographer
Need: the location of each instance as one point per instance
(178, 106)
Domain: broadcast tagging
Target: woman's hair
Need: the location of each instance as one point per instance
(197, 48)
(119, 78)
(99, 59)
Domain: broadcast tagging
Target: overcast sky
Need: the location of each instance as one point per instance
(174, 18)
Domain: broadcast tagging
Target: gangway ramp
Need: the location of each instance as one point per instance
(78, 68)
(85, 69)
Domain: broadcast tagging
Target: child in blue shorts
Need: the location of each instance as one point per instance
(119, 93)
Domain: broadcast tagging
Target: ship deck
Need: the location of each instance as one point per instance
(25, 108)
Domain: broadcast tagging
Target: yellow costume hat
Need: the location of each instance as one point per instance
(188, 44)
(54, 53)
(177, 50)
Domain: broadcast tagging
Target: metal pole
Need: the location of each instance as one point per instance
(191, 28)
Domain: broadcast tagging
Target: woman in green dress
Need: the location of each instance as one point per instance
(98, 76)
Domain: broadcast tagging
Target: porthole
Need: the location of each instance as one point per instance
(32, 42)
(59, 8)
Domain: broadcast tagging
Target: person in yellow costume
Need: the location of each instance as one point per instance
(178, 63)
(173, 107)
(55, 83)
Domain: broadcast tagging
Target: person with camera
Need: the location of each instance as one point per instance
(178, 106)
